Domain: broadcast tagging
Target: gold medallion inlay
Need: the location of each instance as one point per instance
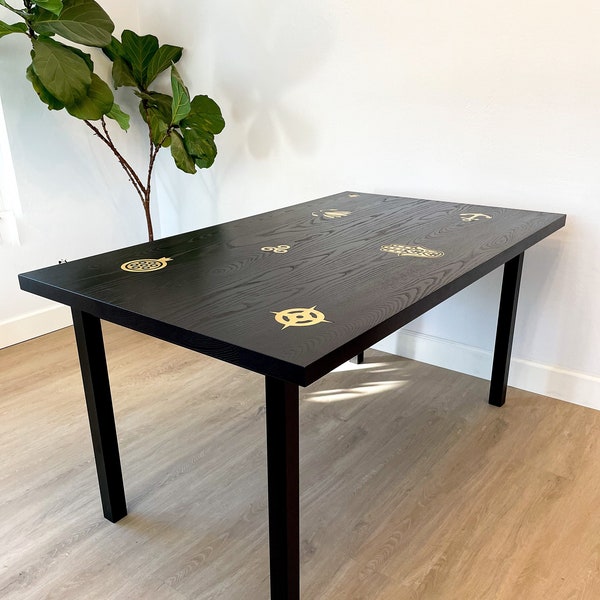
(145, 265)
(417, 251)
(331, 213)
(468, 217)
(281, 249)
(300, 317)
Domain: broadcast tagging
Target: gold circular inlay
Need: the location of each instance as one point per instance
(145, 265)
(331, 213)
(281, 249)
(417, 251)
(300, 317)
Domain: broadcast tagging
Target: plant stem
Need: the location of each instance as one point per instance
(153, 152)
(24, 14)
(136, 181)
(142, 191)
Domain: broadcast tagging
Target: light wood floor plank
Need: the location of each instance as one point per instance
(412, 486)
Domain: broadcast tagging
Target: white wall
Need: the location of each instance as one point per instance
(74, 199)
(494, 103)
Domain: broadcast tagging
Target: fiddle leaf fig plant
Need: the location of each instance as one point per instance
(63, 77)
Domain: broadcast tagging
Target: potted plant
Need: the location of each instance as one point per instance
(64, 77)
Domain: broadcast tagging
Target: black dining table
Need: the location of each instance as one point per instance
(290, 294)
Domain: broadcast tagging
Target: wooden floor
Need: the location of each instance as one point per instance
(412, 486)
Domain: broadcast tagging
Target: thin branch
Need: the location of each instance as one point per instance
(135, 180)
(154, 150)
(30, 32)
(26, 15)
(153, 153)
(114, 148)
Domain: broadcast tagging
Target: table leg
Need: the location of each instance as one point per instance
(359, 359)
(506, 327)
(282, 401)
(92, 359)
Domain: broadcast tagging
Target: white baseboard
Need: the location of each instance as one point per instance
(548, 380)
(33, 325)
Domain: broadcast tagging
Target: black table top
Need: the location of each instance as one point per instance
(295, 292)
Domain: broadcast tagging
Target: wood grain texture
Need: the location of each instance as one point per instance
(218, 293)
(412, 487)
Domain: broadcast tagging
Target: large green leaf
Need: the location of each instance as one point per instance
(80, 21)
(86, 57)
(200, 146)
(181, 106)
(162, 102)
(165, 56)
(158, 127)
(64, 73)
(98, 101)
(121, 73)
(45, 96)
(205, 115)
(54, 6)
(6, 29)
(182, 159)
(122, 118)
(138, 52)
(115, 48)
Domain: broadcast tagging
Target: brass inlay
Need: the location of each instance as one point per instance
(331, 213)
(417, 251)
(144, 265)
(281, 249)
(353, 195)
(300, 317)
(468, 217)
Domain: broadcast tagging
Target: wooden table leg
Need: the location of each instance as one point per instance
(92, 359)
(507, 313)
(282, 401)
(359, 359)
